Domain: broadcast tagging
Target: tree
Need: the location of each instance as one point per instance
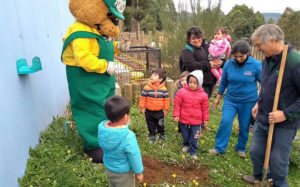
(139, 11)
(148, 23)
(270, 21)
(243, 21)
(289, 22)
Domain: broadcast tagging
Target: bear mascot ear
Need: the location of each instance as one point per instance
(103, 15)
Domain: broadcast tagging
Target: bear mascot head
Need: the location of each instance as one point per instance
(88, 54)
(103, 15)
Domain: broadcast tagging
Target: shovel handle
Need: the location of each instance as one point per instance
(275, 105)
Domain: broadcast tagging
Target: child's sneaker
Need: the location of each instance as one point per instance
(152, 139)
(194, 157)
(161, 138)
(185, 149)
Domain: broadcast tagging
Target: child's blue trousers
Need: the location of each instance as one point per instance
(190, 136)
(230, 109)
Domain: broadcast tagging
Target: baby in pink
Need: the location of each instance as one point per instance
(219, 48)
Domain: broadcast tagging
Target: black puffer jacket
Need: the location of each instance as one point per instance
(197, 59)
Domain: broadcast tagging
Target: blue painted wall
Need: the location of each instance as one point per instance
(29, 28)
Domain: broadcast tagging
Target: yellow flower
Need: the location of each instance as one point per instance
(202, 141)
(195, 182)
(182, 157)
(74, 169)
(90, 159)
(174, 175)
(173, 185)
(246, 160)
(176, 128)
(68, 151)
(145, 184)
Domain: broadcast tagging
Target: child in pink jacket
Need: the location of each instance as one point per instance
(219, 48)
(191, 110)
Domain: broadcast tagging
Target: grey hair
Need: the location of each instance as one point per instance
(268, 32)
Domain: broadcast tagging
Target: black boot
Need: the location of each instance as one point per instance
(95, 154)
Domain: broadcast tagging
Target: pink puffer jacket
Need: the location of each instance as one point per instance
(191, 106)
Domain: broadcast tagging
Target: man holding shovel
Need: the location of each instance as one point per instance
(285, 117)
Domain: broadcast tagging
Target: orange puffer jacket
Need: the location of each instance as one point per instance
(155, 98)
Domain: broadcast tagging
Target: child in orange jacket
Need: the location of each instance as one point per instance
(154, 103)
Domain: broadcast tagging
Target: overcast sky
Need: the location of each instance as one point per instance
(277, 6)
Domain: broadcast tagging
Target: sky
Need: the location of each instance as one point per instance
(263, 6)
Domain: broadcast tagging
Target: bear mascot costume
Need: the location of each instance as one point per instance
(88, 53)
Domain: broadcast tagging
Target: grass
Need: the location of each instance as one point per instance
(59, 161)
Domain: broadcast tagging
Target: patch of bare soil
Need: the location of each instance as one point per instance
(157, 172)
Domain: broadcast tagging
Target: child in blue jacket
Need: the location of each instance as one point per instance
(122, 156)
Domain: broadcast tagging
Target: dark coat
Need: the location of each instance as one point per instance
(289, 99)
(197, 59)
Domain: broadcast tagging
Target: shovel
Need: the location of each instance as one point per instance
(264, 181)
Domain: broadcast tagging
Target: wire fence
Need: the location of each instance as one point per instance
(136, 64)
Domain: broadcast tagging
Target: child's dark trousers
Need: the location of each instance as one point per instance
(155, 122)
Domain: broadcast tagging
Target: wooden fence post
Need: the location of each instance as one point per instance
(128, 92)
(170, 87)
(136, 91)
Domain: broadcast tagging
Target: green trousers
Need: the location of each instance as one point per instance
(88, 93)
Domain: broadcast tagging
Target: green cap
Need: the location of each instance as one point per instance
(116, 7)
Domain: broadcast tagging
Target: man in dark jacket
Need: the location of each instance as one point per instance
(270, 40)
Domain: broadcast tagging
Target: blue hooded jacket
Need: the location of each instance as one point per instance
(120, 148)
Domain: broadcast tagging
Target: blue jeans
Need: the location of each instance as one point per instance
(190, 135)
(229, 111)
(280, 152)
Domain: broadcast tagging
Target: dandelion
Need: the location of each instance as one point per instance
(145, 184)
(174, 175)
(195, 182)
(176, 129)
(68, 151)
(74, 169)
(182, 157)
(90, 159)
(202, 141)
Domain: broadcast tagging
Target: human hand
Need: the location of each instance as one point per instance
(176, 119)
(165, 112)
(218, 62)
(277, 116)
(123, 46)
(142, 110)
(215, 63)
(254, 111)
(205, 123)
(217, 101)
(110, 68)
(139, 178)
